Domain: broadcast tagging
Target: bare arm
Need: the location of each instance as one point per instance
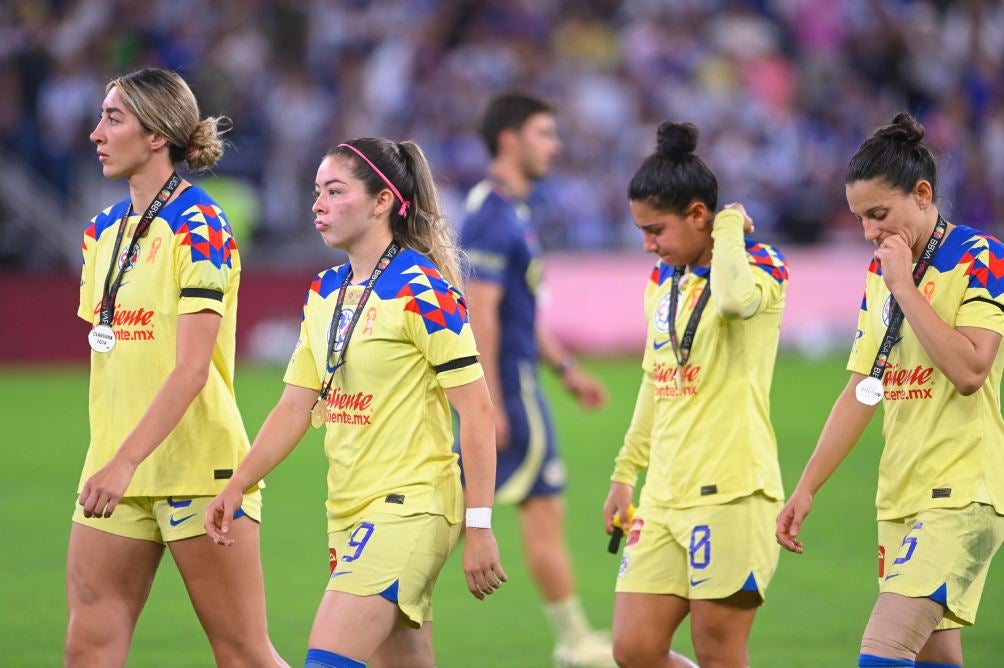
(482, 566)
(843, 428)
(964, 354)
(282, 430)
(196, 339)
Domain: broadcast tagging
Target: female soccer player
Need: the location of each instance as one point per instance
(927, 347)
(700, 542)
(380, 388)
(159, 288)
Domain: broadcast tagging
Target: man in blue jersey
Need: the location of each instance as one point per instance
(501, 242)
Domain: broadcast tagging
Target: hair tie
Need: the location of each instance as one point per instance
(403, 211)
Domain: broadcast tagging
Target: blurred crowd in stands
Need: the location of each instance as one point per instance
(783, 91)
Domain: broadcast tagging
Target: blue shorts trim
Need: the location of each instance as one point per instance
(390, 593)
(320, 658)
(872, 661)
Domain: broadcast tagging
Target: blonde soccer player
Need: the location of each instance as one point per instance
(385, 347)
(159, 289)
(928, 349)
(701, 541)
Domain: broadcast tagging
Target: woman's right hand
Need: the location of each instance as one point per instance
(220, 513)
(789, 521)
(618, 504)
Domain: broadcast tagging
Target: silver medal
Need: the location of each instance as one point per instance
(869, 391)
(101, 338)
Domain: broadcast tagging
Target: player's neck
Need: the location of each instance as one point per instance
(930, 221)
(703, 260)
(365, 254)
(146, 182)
(512, 180)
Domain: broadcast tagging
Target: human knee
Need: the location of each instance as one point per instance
(639, 652)
(94, 643)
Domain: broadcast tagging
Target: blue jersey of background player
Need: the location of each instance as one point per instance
(499, 237)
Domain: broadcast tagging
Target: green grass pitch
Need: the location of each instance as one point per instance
(816, 608)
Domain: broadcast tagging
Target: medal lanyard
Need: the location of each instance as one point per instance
(896, 316)
(378, 270)
(681, 348)
(112, 286)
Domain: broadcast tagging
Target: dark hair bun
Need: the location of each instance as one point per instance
(904, 129)
(675, 140)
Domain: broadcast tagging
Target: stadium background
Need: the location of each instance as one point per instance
(783, 91)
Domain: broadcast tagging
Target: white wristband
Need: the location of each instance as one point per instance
(479, 518)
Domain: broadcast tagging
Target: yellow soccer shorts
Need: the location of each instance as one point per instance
(163, 519)
(704, 553)
(943, 554)
(392, 556)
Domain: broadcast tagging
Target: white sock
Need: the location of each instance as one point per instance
(568, 620)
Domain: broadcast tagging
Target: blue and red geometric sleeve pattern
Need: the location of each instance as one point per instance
(873, 268)
(769, 259)
(103, 221)
(661, 272)
(325, 283)
(203, 228)
(986, 269)
(414, 278)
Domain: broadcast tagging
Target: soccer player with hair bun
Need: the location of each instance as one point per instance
(928, 349)
(159, 289)
(700, 542)
(385, 348)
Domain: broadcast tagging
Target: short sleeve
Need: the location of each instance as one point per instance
(204, 253)
(866, 338)
(85, 308)
(489, 246)
(983, 300)
(443, 335)
(301, 370)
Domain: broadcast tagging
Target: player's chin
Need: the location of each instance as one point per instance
(330, 239)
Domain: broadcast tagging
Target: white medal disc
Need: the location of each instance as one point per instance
(869, 391)
(101, 338)
(678, 379)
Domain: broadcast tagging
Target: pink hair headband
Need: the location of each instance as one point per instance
(403, 211)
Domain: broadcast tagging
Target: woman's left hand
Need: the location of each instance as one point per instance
(104, 489)
(748, 227)
(482, 564)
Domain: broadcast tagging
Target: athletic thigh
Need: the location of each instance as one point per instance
(721, 628)
(108, 579)
(226, 584)
(405, 647)
(353, 626)
(644, 625)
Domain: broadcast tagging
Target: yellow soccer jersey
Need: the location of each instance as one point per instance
(187, 262)
(710, 441)
(942, 449)
(389, 437)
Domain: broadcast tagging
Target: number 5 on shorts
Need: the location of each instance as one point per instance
(359, 542)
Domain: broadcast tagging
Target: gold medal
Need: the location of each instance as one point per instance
(678, 379)
(319, 413)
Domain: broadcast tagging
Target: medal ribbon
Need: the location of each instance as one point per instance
(112, 286)
(681, 347)
(392, 250)
(896, 316)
